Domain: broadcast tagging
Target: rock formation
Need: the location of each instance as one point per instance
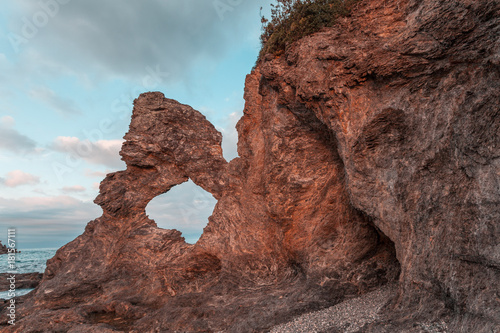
(369, 153)
(23, 280)
(4, 249)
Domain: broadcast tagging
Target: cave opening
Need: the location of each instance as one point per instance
(388, 267)
(186, 207)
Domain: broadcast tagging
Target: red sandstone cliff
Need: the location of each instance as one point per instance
(369, 153)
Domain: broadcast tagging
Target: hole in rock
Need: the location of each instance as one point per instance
(381, 263)
(186, 207)
(388, 267)
(230, 135)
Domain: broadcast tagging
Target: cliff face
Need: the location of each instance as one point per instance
(413, 102)
(369, 154)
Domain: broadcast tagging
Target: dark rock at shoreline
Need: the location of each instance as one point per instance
(4, 249)
(23, 281)
(369, 153)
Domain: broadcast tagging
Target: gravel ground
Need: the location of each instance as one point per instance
(346, 317)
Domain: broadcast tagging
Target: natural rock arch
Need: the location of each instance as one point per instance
(412, 102)
(167, 144)
(282, 229)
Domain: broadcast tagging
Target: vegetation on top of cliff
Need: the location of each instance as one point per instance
(293, 19)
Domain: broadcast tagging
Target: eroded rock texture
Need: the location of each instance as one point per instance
(283, 238)
(365, 148)
(23, 281)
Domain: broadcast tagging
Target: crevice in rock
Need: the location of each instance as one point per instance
(373, 253)
(186, 207)
(380, 264)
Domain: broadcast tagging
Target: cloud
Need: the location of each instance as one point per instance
(123, 39)
(59, 104)
(12, 140)
(30, 204)
(230, 136)
(186, 207)
(73, 189)
(7, 121)
(46, 221)
(95, 174)
(18, 178)
(102, 152)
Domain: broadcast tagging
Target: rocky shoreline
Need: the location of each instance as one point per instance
(369, 156)
(4, 249)
(23, 281)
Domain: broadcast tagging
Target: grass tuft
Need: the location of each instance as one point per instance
(293, 19)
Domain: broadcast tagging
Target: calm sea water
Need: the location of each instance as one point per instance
(28, 261)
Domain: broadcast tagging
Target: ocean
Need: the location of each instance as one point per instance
(28, 261)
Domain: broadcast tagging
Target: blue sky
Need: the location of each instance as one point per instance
(69, 71)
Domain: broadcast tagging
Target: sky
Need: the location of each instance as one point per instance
(69, 72)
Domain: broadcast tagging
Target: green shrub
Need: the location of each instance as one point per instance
(294, 19)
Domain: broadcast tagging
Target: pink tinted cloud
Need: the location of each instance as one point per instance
(74, 189)
(18, 178)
